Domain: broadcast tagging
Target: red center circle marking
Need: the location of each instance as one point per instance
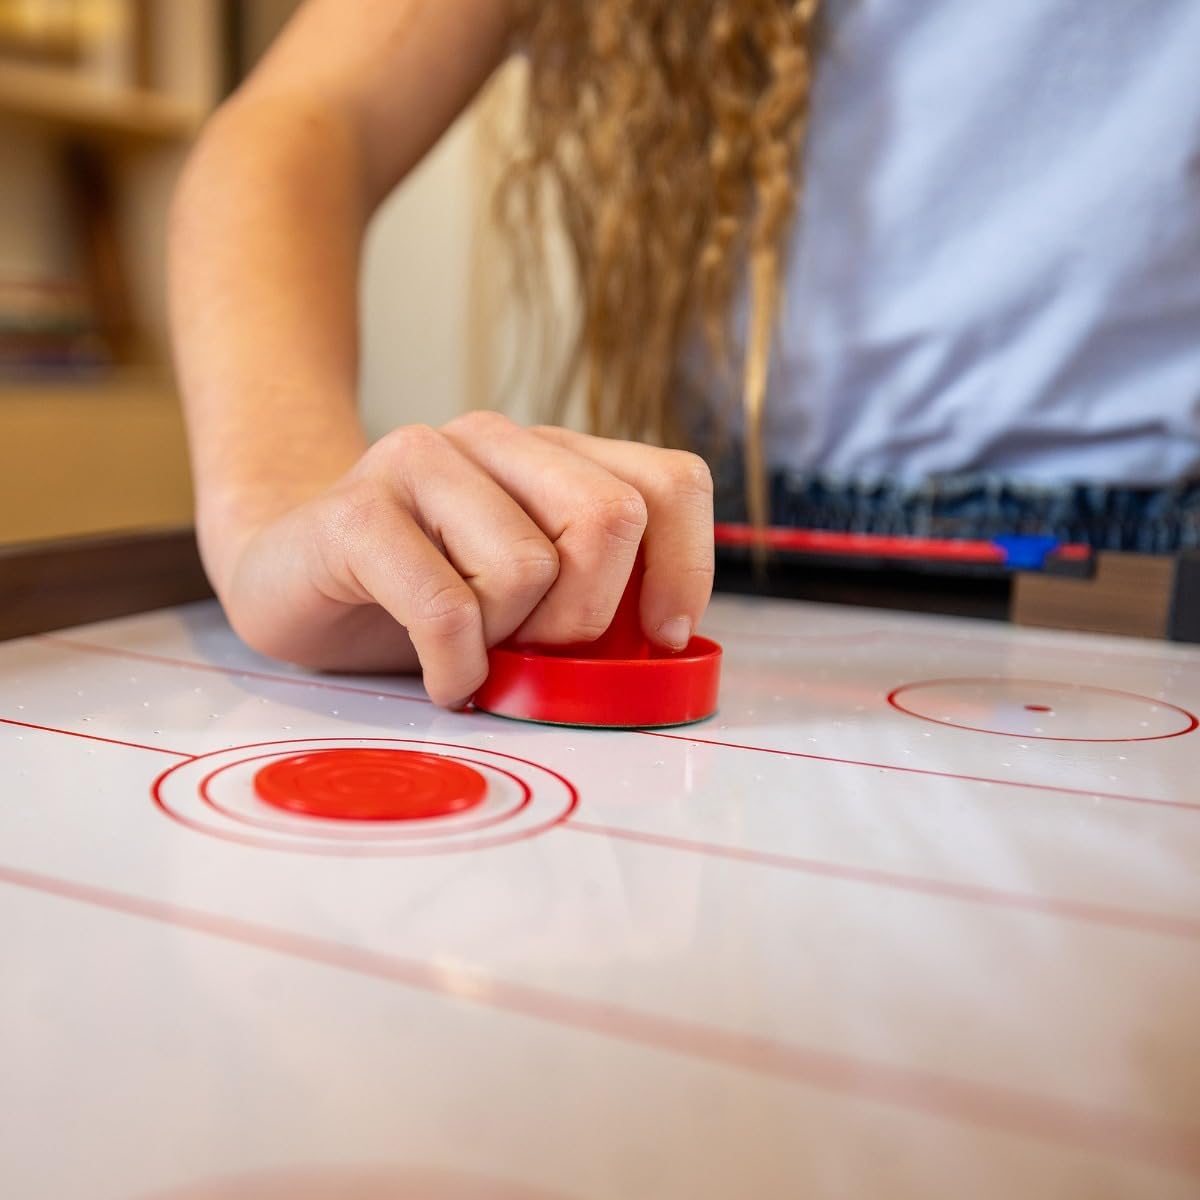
(964, 703)
(370, 785)
(386, 829)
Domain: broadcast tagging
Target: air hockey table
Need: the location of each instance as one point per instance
(916, 914)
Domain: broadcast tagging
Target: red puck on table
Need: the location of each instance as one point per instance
(370, 785)
(619, 681)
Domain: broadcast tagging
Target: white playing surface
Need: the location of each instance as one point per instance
(826, 944)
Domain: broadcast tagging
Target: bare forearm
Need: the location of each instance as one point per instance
(265, 244)
(432, 545)
(266, 237)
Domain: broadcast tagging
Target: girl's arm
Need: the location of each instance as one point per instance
(430, 545)
(265, 240)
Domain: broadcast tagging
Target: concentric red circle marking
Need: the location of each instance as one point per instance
(539, 815)
(370, 785)
(385, 829)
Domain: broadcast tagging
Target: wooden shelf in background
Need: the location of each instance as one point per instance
(87, 457)
(64, 99)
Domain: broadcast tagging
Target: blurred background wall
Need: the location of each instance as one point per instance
(99, 103)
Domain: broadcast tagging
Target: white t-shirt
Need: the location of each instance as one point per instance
(996, 268)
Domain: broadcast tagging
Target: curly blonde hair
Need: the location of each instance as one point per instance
(669, 134)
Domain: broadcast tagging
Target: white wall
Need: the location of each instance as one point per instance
(440, 329)
(416, 284)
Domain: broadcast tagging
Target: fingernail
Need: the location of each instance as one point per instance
(676, 632)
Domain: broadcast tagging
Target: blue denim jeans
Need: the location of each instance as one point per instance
(1149, 520)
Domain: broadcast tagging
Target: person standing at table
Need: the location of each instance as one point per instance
(929, 269)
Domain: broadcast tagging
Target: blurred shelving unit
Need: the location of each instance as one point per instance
(93, 132)
(62, 101)
(81, 459)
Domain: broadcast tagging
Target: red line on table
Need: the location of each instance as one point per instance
(92, 737)
(1028, 1114)
(878, 766)
(163, 660)
(1078, 910)
(304, 681)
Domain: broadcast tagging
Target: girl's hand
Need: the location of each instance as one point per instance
(441, 543)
